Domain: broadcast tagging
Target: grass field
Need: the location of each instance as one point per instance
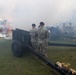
(29, 64)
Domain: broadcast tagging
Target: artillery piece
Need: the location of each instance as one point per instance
(22, 42)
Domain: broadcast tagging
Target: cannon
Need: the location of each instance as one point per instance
(22, 42)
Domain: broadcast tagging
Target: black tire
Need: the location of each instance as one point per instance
(17, 48)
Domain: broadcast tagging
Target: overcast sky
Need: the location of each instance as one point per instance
(22, 13)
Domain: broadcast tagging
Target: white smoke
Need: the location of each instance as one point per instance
(25, 12)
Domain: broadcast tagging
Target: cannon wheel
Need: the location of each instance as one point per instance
(17, 48)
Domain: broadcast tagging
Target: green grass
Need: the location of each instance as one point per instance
(63, 54)
(29, 64)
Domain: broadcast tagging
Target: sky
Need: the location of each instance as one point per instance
(23, 13)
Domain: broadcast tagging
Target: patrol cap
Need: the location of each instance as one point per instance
(42, 23)
(33, 24)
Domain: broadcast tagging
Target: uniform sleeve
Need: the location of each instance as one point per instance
(36, 33)
(47, 34)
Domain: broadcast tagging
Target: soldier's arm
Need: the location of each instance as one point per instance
(47, 34)
(36, 33)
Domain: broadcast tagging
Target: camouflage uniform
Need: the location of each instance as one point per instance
(34, 38)
(43, 36)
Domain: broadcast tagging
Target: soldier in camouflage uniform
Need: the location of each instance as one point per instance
(34, 37)
(43, 36)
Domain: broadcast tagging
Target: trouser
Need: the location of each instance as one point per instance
(42, 48)
(35, 45)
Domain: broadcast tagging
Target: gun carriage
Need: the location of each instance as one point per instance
(22, 42)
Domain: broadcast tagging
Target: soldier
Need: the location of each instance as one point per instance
(43, 36)
(34, 37)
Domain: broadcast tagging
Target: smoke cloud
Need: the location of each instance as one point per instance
(22, 13)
